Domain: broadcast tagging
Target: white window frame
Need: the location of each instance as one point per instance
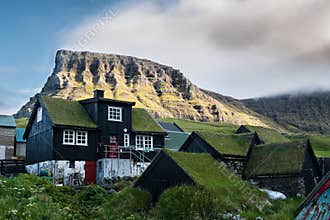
(126, 140)
(39, 114)
(66, 139)
(143, 142)
(82, 135)
(115, 113)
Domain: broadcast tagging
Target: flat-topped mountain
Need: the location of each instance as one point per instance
(162, 90)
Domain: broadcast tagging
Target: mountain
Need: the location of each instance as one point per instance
(309, 112)
(162, 90)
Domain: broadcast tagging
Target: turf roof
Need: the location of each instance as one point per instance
(143, 122)
(214, 176)
(66, 112)
(280, 158)
(268, 135)
(231, 144)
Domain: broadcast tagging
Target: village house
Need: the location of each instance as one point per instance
(290, 168)
(7, 136)
(98, 137)
(317, 204)
(228, 148)
(170, 169)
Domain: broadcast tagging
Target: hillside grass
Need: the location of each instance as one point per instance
(21, 122)
(190, 126)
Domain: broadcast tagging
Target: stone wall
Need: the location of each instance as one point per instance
(235, 166)
(290, 186)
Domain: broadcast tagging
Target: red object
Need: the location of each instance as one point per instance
(90, 172)
(113, 147)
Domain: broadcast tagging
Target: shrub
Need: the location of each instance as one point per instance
(187, 202)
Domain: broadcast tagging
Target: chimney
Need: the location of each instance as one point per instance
(98, 93)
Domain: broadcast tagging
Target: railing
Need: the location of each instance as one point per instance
(12, 167)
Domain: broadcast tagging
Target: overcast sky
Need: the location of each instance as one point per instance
(241, 48)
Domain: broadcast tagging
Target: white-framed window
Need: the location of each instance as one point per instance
(126, 140)
(114, 113)
(39, 114)
(144, 142)
(68, 137)
(82, 138)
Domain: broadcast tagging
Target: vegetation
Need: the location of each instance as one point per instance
(190, 126)
(234, 144)
(142, 121)
(21, 122)
(268, 135)
(279, 158)
(66, 112)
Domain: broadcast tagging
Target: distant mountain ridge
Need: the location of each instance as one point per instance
(309, 112)
(162, 90)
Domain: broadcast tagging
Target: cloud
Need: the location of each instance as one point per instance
(244, 48)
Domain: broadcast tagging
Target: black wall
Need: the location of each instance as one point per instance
(75, 152)
(163, 173)
(311, 171)
(39, 146)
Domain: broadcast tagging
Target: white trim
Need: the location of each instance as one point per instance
(126, 140)
(86, 138)
(143, 142)
(39, 114)
(116, 110)
(74, 136)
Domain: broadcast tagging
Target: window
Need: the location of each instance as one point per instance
(39, 114)
(81, 138)
(114, 113)
(144, 142)
(68, 137)
(126, 140)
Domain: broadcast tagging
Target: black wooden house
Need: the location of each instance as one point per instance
(290, 167)
(83, 130)
(229, 148)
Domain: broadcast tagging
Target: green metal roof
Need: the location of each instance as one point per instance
(174, 140)
(279, 158)
(142, 121)
(19, 135)
(7, 120)
(232, 144)
(66, 112)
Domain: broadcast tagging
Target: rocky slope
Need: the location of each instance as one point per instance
(162, 90)
(309, 112)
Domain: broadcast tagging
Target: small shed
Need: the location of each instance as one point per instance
(20, 146)
(266, 135)
(229, 148)
(7, 136)
(291, 167)
(317, 203)
(171, 169)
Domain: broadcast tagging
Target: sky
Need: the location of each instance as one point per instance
(241, 48)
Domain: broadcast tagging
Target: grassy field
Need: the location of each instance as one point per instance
(21, 122)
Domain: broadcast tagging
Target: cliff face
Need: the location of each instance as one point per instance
(162, 90)
(308, 112)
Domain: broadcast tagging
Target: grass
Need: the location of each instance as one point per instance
(219, 181)
(142, 121)
(268, 135)
(66, 112)
(233, 144)
(21, 122)
(320, 143)
(276, 159)
(190, 126)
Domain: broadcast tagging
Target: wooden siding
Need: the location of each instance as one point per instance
(7, 136)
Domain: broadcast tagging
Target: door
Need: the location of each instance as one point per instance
(90, 172)
(113, 147)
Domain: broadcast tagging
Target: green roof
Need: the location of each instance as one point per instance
(7, 120)
(175, 140)
(143, 122)
(66, 112)
(268, 135)
(233, 144)
(214, 176)
(19, 135)
(280, 158)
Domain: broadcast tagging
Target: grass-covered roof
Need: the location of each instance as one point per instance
(215, 177)
(231, 144)
(143, 122)
(278, 158)
(268, 135)
(66, 112)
